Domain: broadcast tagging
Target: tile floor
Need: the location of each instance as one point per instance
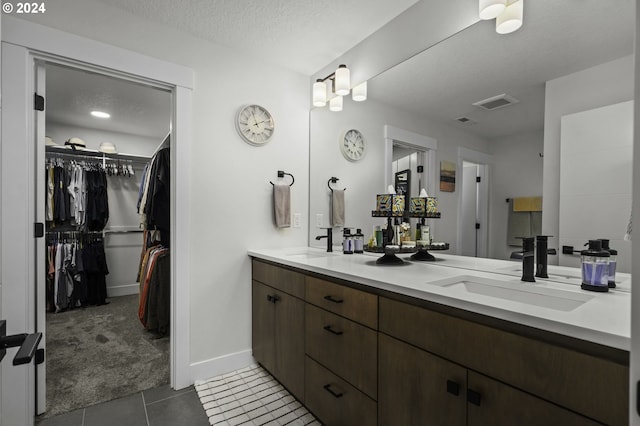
(155, 407)
(251, 397)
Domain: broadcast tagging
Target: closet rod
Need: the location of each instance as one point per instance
(122, 231)
(94, 154)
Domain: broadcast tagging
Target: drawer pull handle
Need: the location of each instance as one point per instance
(453, 388)
(273, 299)
(474, 397)
(333, 299)
(269, 298)
(332, 392)
(332, 331)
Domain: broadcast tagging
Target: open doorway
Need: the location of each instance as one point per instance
(473, 203)
(101, 342)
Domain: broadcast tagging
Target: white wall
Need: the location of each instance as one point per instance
(602, 85)
(364, 179)
(516, 172)
(230, 205)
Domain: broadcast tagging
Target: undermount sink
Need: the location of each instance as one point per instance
(309, 255)
(529, 294)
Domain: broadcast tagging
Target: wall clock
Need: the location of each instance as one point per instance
(353, 145)
(255, 124)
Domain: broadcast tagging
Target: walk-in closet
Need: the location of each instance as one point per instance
(107, 208)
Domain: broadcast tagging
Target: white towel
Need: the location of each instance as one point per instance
(282, 205)
(337, 207)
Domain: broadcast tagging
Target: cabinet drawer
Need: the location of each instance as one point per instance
(348, 302)
(334, 401)
(283, 279)
(343, 346)
(564, 376)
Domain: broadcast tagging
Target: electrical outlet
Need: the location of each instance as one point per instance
(297, 218)
(319, 220)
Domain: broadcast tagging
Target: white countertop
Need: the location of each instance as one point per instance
(493, 288)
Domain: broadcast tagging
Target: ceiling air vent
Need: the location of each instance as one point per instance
(496, 102)
(465, 120)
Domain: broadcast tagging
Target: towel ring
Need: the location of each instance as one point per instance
(281, 175)
(333, 180)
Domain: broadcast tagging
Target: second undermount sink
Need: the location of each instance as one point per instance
(525, 293)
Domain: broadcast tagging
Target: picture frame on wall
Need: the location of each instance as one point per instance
(447, 176)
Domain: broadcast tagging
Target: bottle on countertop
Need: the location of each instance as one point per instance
(347, 241)
(377, 233)
(613, 261)
(358, 246)
(595, 267)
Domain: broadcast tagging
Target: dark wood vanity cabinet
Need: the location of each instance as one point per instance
(278, 326)
(359, 357)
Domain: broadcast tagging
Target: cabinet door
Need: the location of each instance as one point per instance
(289, 341)
(494, 403)
(417, 388)
(263, 326)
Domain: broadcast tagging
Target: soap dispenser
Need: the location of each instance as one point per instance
(347, 241)
(595, 267)
(358, 246)
(613, 261)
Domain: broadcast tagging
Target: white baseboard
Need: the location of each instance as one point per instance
(123, 290)
(204, 370)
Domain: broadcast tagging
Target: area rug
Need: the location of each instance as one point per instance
(99, 353)
(251, 396)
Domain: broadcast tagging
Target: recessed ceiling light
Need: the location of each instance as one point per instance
(100, 114)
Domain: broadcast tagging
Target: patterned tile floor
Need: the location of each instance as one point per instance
(251, 397)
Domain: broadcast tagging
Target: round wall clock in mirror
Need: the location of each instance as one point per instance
(353, 145)
(255, 124)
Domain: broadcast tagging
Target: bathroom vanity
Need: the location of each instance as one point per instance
(457, 342)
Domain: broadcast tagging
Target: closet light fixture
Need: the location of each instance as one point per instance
(108, 148)
(340, 86)
(100, 114)
(508, 14)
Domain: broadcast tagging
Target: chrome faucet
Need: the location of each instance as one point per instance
(329, 238)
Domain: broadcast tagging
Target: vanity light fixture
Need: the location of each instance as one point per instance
(100, 114)
(490, 9)
(508, 13)
(335, 103)
(340, 86)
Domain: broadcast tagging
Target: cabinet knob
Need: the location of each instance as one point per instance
(333, 299)
(453, 388)
(337, 394)
(332, 331)
(269, 298)
(474, 397)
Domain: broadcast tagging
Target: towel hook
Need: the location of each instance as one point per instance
(281, 175)
(333, 180)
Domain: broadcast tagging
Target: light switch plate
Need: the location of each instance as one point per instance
(319, 220)
(297, 219)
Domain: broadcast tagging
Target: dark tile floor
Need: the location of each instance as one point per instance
(155, 407)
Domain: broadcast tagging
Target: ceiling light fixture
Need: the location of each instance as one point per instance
(340, 86)
(100, 114)
(509, 14)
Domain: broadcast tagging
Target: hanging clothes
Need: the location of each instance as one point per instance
(154, 305)
(76, 271)
(154, 197)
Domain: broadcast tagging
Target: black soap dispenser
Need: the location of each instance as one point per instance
(595, 267)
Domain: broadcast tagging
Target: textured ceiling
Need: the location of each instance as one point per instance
(300, 35)
(72, 94)
(557, 38)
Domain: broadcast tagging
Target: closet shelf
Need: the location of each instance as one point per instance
(59, 150)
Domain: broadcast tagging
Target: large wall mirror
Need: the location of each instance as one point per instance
(569, 57)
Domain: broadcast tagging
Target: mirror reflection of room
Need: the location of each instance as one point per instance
(514, 106)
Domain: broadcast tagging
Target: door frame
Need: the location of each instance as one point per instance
(23, 43)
